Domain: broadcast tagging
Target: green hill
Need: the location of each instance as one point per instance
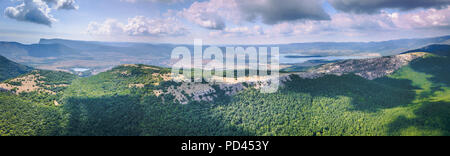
(438, 49)
(412, 101)
(123, 101)
(10, 69)
(22, 117)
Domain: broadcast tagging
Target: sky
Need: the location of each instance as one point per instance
(223, 21)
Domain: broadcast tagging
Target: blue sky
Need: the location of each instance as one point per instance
(223, 21)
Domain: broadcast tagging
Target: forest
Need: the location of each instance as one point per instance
(415, 100)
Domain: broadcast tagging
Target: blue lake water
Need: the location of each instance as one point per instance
(80, 69)
(296, 58)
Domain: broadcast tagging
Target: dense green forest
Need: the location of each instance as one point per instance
(21, 117)
(415, 100)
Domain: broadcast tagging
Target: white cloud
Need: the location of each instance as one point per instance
(38, 11)
(108, 27)
(62, 4)
(422, 19)
(212, 14)
(155, 27)
(349, 24)
(215, 14)
(35, 11)
(156, 1)
(139, 26)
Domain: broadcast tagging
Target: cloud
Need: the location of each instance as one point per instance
(156, 1)
(341, 23)
(431, 18)
(375, 6)
(214, 14)
(274, 11)
(62, 4)
(108, 27)
(34, 11)
(350, 24)
(211, 14)
(139, 26)
(38, 11)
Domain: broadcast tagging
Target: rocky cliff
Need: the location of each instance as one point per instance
(368, 68)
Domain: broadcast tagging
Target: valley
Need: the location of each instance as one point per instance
(66, 55)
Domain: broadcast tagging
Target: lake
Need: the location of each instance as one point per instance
(80, 69)
(298, 58)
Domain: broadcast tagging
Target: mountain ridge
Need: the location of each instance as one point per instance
(438, 49)
(10, 69)
(135, 100)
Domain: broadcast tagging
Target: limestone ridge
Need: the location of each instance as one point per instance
(370, 69)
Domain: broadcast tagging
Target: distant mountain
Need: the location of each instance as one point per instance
(12, 49)
(50, 50)
(35, 50)
(438, 49)
(10, 69)
(132, 49)
(81, 45)
(385, 48)
(61, 54)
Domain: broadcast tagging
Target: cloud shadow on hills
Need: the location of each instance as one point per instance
(366, 95)
(433, 116)
(142, 116)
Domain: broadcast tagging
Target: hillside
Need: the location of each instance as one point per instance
(22, 117)
(40, 86)
(327, 105)
(407, 94)
(367, 68)
(10, 69)
(438, 49)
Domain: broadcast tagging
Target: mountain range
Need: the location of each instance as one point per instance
(96, 57)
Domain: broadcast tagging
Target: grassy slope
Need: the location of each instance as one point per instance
(431, 106)
(413, 101)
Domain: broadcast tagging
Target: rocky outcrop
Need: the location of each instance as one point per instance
(25, 84)
(367, 68)
(192, 92)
